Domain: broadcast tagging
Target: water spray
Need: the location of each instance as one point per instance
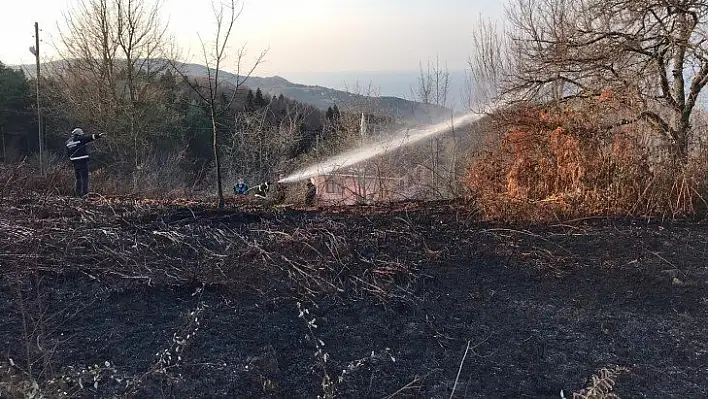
(400, 139)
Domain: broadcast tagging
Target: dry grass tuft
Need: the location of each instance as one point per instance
(601, 384)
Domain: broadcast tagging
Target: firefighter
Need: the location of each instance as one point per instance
(310, 193)
(262, 190)
(240, 188)
(79, 157)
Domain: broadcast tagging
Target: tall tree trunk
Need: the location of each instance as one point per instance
(136, 163)
(215, 148)
(679, 148)
(681, 140)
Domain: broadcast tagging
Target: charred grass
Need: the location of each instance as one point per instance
(127, 297)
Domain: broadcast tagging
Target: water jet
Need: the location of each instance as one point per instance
(400, 139)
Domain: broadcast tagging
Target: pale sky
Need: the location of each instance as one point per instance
(302, 35)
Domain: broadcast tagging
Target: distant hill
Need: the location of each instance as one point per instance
(323, 97)
(400, 83)
(318, 96)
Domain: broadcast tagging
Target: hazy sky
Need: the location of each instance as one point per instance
(302, 35)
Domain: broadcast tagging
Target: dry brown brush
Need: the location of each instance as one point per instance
(582, 159)
(166, 178)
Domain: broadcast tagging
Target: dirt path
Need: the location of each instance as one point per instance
(187, 302)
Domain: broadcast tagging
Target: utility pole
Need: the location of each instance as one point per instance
(35, 50)
(4, 153)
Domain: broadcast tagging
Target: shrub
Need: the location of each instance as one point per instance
(572, 161)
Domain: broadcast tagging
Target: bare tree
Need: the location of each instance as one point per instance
(652, 53)
(141, 39)
(214, 56)
(87, 47)
(433, 83)
(433, 88)
(258, 144)
(490, 64)
(112, 52)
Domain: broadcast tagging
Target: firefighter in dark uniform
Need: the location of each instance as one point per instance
(240, 188)
(310, 194)
(79, 157)
(262, 190)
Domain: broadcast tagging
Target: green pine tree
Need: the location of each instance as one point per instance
(16, 96)
(259, 101)
(250, 101)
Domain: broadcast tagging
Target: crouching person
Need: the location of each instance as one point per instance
(240, 188)
(79, 157)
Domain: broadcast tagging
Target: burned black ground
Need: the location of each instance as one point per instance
(397, 294)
